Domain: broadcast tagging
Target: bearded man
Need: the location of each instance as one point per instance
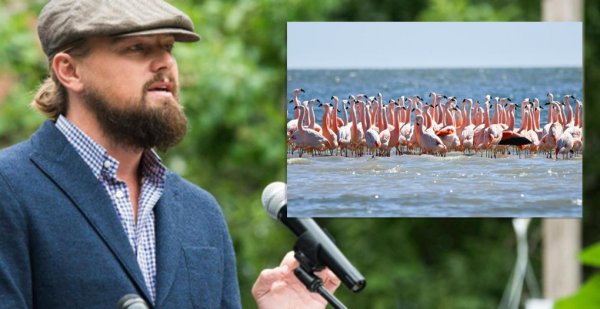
(88, 213)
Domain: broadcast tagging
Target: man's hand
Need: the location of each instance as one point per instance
(279, 287)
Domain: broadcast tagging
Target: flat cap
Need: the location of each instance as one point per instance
(64, 22)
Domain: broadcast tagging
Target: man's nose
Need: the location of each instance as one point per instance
(162, 59)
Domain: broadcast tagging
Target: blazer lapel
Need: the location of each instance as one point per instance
(168, 247)
(56, 158)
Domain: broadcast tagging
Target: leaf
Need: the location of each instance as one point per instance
(587, 297)
(591, 255)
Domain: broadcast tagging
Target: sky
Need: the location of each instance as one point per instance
(376, 45)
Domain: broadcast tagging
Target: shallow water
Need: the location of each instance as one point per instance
(426, 186)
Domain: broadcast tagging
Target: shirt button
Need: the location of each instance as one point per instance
(120, 194)
(107, 164)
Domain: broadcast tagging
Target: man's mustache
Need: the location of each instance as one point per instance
(161, 77)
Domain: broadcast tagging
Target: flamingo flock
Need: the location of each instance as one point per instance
(367, 126)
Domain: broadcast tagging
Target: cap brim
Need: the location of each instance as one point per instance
(180, 35)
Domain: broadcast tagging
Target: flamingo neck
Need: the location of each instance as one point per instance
(577, 120)
(496, 114)
(335, 117)
(301, 119)
(367, 120)
(407, 113)
(428, 120)
(385, 121)
(469, 122)
(311, 117)
(511, 119)
(325, 120)
(525, 119)
(449, 118)
(486, 116)
(353, 118)
(570, 117)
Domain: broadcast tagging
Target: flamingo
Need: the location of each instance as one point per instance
(528, 132)
(553, 129)
(311, 116)
(395, 133)
(509, 135)
(406, 128)
(564, 145)
(384, 135)
(357, 132)
(292, 125)
(466, 135)
(337, 122)
(306, 138)
(345, 132)
(328, 133)
(429, 141)
(571, 127)
(371, 135)
(448, 133)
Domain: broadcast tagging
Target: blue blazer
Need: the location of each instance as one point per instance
(62, 245)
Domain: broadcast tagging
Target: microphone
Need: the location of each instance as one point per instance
(131, 301)
(274, 199)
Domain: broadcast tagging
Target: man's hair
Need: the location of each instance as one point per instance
(51, 97)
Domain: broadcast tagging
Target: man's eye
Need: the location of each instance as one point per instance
(169, 47)
(136, 48)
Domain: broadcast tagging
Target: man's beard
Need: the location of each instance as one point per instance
(138, 124)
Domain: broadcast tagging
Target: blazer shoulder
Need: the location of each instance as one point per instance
(192, 194)
(186, 187)
(46, 139)
(14, 157)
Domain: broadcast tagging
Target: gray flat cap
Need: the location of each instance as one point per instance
(64, 22)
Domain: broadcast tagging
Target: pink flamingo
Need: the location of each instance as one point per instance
(336, 122)
(448, 133)
(345, 132)
(395, 133)
(430, 143)
(466, 135)
(312, 124)
(357, 132)
(372, 139)
(306, 138)
(292, 125)
(385, 135)
(328, 132)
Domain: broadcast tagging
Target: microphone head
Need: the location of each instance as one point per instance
(131, 301)
(274, 197)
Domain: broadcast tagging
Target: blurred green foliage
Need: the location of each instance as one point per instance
(234, 92)
(588, 295)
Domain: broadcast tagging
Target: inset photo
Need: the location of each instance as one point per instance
(435, 119)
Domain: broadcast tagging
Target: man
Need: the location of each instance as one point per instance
(88, 213)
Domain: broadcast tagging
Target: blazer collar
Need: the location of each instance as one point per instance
(53, 154)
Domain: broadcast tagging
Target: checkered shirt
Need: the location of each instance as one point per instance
(141, 235)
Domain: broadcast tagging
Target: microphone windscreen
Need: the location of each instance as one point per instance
(131, 301)
(274, 197)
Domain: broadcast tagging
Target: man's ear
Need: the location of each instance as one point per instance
(66, 70)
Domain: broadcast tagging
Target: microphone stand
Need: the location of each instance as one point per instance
(306, 251)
